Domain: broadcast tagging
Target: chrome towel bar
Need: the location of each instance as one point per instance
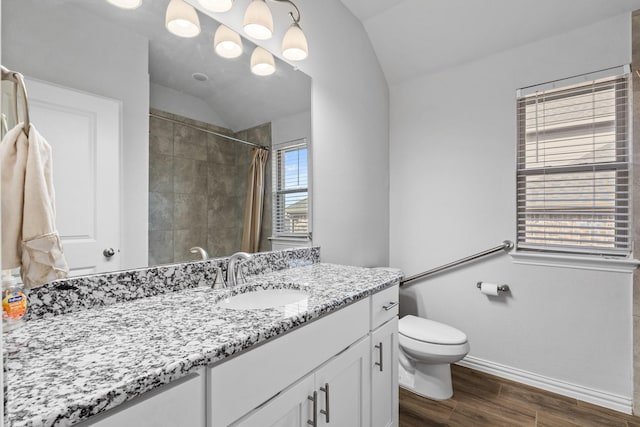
(506, 246)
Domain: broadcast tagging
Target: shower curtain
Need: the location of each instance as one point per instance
(255, 201)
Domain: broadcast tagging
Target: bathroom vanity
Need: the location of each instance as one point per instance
(184, 359)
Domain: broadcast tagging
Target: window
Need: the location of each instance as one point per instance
(290, 189)
(573, 176)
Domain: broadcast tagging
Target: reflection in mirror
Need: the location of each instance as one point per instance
(98, 74)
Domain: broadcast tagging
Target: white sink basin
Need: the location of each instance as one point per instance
(266, 298)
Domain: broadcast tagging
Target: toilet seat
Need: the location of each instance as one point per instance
(429, 331)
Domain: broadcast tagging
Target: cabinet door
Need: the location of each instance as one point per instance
(290, 408)
(384, 375)
(345, 402)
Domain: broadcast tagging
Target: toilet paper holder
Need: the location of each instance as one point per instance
(501, 288)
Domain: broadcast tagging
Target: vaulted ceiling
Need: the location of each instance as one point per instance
(415, 37)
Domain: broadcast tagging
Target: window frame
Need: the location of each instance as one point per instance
(278, 150)
(566, 89)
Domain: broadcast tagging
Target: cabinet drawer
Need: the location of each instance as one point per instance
(179, 403)
(384, 306)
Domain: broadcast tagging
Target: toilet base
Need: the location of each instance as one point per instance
(427, 380)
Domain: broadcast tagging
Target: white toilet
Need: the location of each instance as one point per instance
(427, 350)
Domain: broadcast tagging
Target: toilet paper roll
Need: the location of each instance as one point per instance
(489, 288)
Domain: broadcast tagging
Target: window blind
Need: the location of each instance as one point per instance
(573, 175)
(290, 190)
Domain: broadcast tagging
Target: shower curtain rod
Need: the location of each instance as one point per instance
(253, 144)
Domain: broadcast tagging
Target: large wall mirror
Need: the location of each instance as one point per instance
(114, 77)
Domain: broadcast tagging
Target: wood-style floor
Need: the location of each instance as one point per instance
(482, 400)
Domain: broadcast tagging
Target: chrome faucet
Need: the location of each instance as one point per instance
(202, 252)
(233, 267)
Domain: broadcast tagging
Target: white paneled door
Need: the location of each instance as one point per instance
(84, 133)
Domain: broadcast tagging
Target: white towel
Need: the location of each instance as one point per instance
(29, 237)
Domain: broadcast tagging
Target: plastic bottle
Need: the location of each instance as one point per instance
(14, 301)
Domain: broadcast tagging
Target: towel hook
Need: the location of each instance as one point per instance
(18, 81)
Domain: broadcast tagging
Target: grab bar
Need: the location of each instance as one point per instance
(507, 245)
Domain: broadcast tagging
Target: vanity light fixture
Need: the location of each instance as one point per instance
(217, 5)
(227, 43)
(294, 43)
(126, 4)
(262, 62)
(258, 21)
(182, 19)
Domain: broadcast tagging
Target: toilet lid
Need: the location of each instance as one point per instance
(425, 330)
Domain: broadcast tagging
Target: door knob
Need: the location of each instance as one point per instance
(109, 252)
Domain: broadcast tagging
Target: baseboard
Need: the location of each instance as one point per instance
(597, 397)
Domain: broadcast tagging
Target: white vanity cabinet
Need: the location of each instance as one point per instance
(336, 394)
(338, 371)
(239, 385)
(356, 385)
(384, 358)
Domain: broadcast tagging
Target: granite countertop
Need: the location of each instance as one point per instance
(73, 366)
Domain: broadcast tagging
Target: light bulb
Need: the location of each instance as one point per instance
(258, 21)
(182, 19)
(294, 44)
(227, 43)
(217, 5)
(126, 4)
(262, 62)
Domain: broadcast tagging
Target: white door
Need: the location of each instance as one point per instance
(84, 133)
(384, 375)
(344, 388)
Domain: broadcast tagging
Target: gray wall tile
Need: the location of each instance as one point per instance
(160, 247)
(190, 211)
(183, 240)
(198, 189)
(189, 143)
(189, 176)
(160, 136)
(161, 211)
(160, 173)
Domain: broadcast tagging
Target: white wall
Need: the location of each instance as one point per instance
(93, 56)
(453, 137)
(291, 127)
(350, 129)
(182, 104)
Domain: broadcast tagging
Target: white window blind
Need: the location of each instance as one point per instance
(573, 176)
(290, 189)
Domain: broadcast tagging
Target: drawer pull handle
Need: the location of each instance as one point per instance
(379, 347)
(390, 306)
(314, 399)
(325, 389)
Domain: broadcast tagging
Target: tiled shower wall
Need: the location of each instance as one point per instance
(198, 188)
